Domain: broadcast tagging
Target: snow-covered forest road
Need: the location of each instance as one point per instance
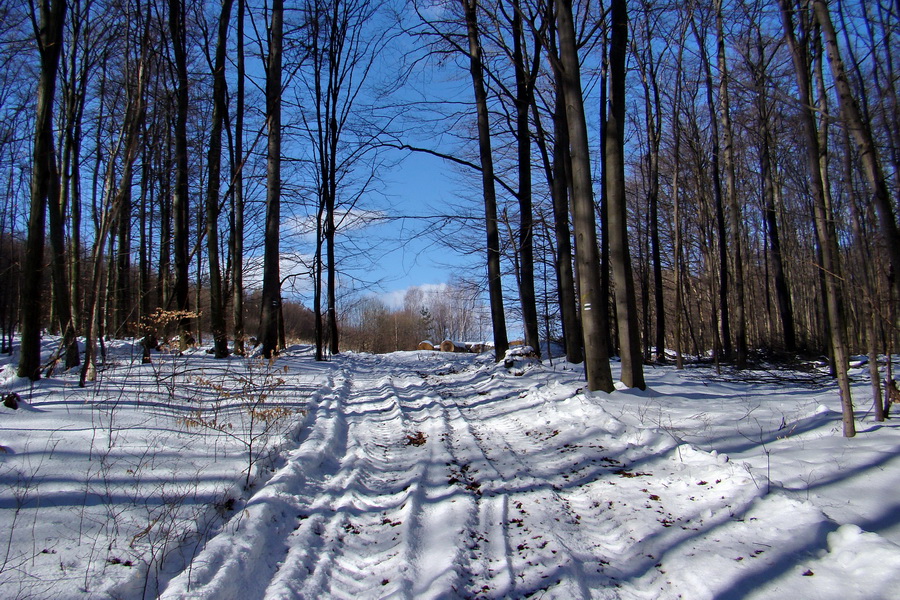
(433, 476)
(425, 475)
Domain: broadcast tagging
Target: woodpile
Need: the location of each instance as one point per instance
(425, 345)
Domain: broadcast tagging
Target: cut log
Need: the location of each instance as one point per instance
(448, 346)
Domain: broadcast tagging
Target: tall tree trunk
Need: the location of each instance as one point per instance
(524, 92)
(676, 199)
(237, 233)
(59, 266)
(75, 92)
(122, 288)
(181, 199)
(331, 276)
(734, 209)
(75, 88)
(44, 181)
(557, 174)
(620, 256)
(130, 145)
(271, 294)
(724, 333)
(495, 289)
(595, 325)
(824, 221)
(214, 163)
(562, 167)
(653, 118)
(164, 267)
(865, 275)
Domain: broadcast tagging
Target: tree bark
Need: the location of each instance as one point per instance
(734, 209)
(271, 294)
(824, 222)
(724, 333)
(44, 182)
(595, 326)
(653, 117)
(562, 167)
(495, 290)
(214, 164)
(620, 257)
(130, 144)
(525, 80)
(767, 176)
(181, 199)
(237, 233)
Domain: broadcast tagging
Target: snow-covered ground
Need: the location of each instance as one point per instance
(430, 475)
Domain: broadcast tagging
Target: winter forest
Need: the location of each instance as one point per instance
(640, 191)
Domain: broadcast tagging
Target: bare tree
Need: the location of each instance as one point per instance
(721, 232)
(593, 304)
(824, 220)
(620, 257)
(653, 118)
(861, 132)
(237, 195)
(476, 69)
(214, 164)
(271, 294)
(734, 209)
(48, 31)
(181, 199)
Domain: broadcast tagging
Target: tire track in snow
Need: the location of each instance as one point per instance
(486, 507)
(240, 561)
(336, 547)
(556, 475)
(379, 526)
(534, 557)
(594, 536)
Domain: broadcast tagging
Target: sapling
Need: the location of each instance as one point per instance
(254, 419)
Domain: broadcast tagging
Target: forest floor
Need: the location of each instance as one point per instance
(430, 475)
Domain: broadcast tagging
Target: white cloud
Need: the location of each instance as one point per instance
(395, 299)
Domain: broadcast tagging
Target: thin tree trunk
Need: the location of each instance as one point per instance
(824, 222)
(524, 92)
(560, 191)
(122, 286)
(862, 134)
(237, 258)
(214, 163)
(620, 256)
(181, 200)
(271, 294)
(495, 290)
(130, 143)
(724, 324)
(676, 201)
(734, 209)
(59, 266)
(653, 118)
(782, 292)
(557, 180)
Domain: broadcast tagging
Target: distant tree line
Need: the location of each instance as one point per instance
(452, 311)
(711, 176)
